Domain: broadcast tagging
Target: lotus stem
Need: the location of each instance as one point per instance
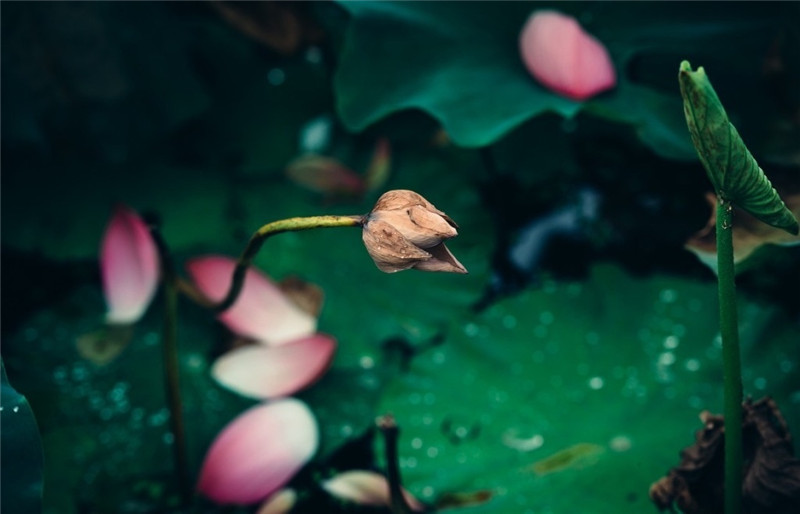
(391, 432)
(731, 358)
(169, 347)
(170, 353)
(270, 229)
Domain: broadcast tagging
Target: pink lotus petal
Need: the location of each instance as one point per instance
(258, 452)
(265, 372)
(128, 266)
(365, 488)
(380, 166)
(261, 312)
(564, 57)
(325, 175)
(279, 503)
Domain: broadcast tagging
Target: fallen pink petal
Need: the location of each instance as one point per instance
(564, 57)
(263, 372)
(261, 311)
(259, 452)
(365, 488)
(325, 175)
(279, 503)
(380, 166)
(128, 266)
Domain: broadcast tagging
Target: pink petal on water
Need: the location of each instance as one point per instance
(325, 175)
(564, 57)
(261, 311)
(259, 452)
(263, 372)
(365, 488)
(128, 266)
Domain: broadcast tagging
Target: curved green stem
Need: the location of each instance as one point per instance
(270, 229)
(730, 357)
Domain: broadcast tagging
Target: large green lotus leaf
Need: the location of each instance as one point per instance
(607, 377)
(459, 61)
(22, 452)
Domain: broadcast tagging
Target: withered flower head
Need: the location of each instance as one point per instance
(404, 231)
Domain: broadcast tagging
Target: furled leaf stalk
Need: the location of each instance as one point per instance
(731, 361)
(738, 179)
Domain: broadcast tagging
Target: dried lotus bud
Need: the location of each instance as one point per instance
(404, 231)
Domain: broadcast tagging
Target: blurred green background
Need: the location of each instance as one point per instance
(192, 111)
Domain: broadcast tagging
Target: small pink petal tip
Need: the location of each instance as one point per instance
(365, 488)
(259, 452)
(261, 311)
(263, 372)
(279, 503)
(128, 266)
(564, 57)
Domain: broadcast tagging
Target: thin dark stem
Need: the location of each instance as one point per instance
(170, 353)
(391, 433)
(171, 366)
(730, 357)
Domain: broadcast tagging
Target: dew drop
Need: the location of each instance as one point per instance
(509, 321)
(668, 295)
(471, 329)
(666, 359)
(314, 55)
(671, 342)
(276, 76)
(620, 443)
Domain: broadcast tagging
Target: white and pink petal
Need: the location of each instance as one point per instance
(365, 488)
(262, 311)
(263, 372)
(129, 266)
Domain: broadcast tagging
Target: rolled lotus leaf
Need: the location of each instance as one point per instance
(731, 167)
